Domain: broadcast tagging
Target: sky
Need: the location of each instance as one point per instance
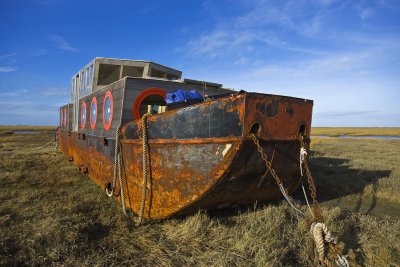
(344, 55)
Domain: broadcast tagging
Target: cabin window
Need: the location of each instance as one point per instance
(170, 76)
(157, 73)
(132, 71)
(149, 101)
(83, 83)
(108, 74)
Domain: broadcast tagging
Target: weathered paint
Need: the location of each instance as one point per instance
(201, 156)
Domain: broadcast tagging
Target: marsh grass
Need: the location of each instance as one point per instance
(51, 214)
(356, 131)
(9, 129)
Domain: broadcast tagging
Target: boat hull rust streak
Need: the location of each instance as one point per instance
(201, 156)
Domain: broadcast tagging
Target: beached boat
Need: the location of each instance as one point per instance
(199, 153)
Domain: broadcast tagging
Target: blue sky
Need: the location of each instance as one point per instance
(345, 55)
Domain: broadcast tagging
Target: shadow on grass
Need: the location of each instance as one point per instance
(335, 179)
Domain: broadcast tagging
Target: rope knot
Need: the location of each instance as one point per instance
(323, 237)
(303, 153)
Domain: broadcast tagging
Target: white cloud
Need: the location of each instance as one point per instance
(265, 23)
(40, 52)
(325, 2)
(366, 13)
(241, 61)
(55, 92)
(7, 69)
(61, 43)
(2, 57)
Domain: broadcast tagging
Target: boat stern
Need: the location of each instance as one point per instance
(278, 118)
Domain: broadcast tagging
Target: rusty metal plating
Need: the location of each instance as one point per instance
(202, 155)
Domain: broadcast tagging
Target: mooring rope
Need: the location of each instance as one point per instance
(145, 161)
(117, 172)
(306, 198)
(116, 153)
(322, 236)
(48, 143)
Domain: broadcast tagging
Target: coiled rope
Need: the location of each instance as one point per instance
(145, 161)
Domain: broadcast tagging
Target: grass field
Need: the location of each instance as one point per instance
(356, 131)
(5, 130)
(328, 131)
(51, 214)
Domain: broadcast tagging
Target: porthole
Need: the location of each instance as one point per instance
(93, 113)
(150, 100)
(108, 106)
(83, 115)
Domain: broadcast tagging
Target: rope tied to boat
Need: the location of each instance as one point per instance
(145, 166)
(48, 143)
(117, 171)
(322, 236)
(303, 154)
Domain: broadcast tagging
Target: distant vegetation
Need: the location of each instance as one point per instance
(5, 129)
(328, 131)
(356, 131)
(51, 214)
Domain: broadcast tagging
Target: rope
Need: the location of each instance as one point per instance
(51, 141)
(322, 236)
(39, 147)
(117, 172)
(289, 199)
(204, 88)
(121, 186)
(303, 153)
(306, 198)
(320, 232)
(145, 161)
(56, 139)
(44, 145)
(110, 193)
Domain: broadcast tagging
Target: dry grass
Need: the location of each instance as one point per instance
(356, 131)
(51, 214)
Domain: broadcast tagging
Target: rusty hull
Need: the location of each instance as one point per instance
(201, 156)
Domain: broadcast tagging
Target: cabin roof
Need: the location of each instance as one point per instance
(118, 61)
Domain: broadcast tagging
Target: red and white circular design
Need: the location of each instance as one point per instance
(142, 96)
(83, 115)
(108, 110)
(93, 113)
